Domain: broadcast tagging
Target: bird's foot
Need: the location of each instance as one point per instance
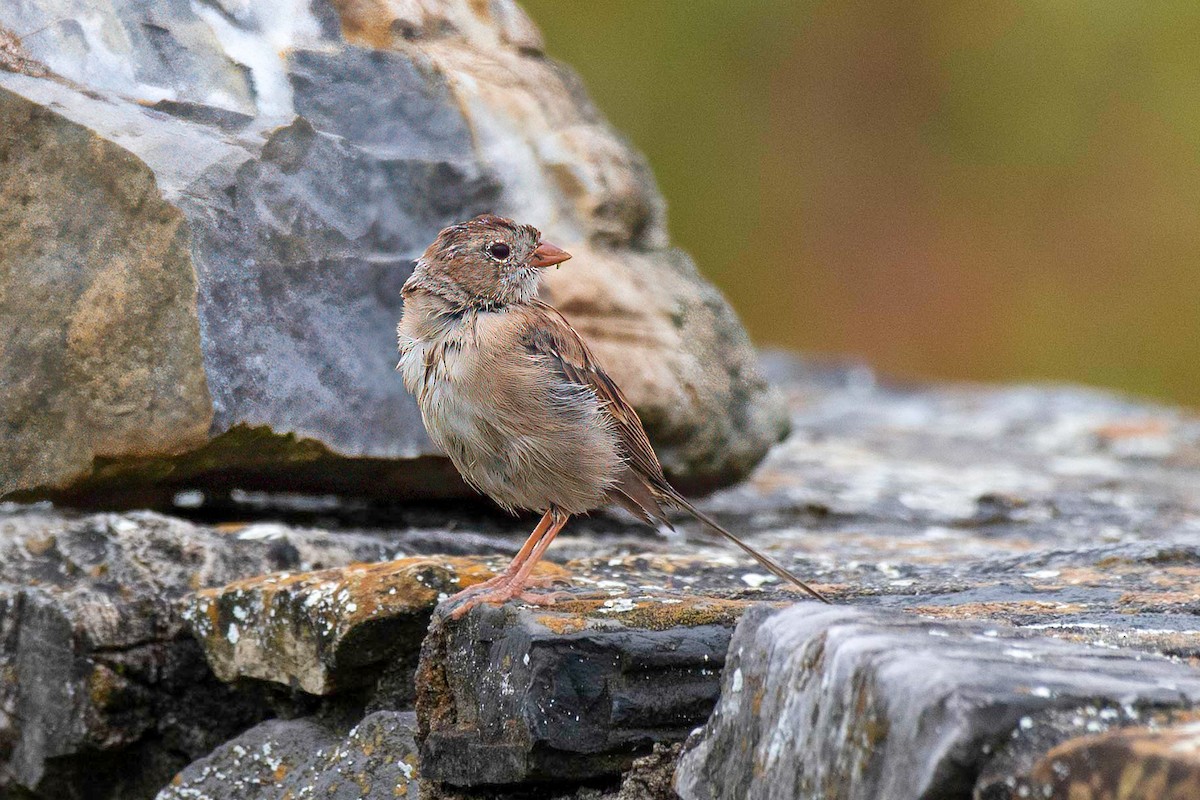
(545, 598)
(554, 598)
(496, 590)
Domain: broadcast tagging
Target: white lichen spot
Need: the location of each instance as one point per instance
(617, 605)
(233, 635)
(735, 685)
(754, 580)
(1026, 655)
(1043, 574)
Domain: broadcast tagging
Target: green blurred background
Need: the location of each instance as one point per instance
(998, 190)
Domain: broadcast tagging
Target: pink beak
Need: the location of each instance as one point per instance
(547, 255)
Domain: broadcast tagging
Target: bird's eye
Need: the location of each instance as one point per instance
(498, 250)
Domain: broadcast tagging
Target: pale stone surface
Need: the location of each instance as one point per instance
(101, 361)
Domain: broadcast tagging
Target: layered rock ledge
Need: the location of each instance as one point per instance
(1015, 571)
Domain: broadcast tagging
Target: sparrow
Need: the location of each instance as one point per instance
(512, 394)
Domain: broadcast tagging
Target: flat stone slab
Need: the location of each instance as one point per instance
(821, 701)
(515, 694)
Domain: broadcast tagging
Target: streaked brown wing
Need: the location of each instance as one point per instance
(554, 339)
(642, 488)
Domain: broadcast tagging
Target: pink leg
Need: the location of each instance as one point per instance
(515, 577)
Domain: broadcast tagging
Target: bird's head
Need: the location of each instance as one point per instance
(488, 261)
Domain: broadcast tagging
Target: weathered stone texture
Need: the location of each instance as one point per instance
(316, 758)
(1012, 560)
(98, 669)
(101, 352)
(819, 702)
(330, 630)
(513, 696)
(1128, 764)
(227, 199)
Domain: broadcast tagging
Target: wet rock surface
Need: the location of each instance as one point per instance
(820, 701)
(227, 198)
(325, 631)
(98, 667)
(1049, 533)
(376, 759)
(525, 695)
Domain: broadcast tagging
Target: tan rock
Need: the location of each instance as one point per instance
(101, 358)
(1125, 764)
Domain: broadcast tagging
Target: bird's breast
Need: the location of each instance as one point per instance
(438, 373)
(513, 429)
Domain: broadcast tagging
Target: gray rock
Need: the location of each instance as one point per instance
(331, 631)
(517, 695)
(1066, 515)
(104, 694)
(376, 759)
(328, 631)
(227, 199)
(819, 701)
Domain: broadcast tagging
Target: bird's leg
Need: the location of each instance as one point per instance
(515, 577)
(509, 572)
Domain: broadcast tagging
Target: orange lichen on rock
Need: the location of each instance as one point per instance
(996, 610)
(325, 629)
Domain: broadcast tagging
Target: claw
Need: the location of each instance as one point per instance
(515, 579)
(545, 598)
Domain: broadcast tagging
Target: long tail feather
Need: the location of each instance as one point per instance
(769, 563)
